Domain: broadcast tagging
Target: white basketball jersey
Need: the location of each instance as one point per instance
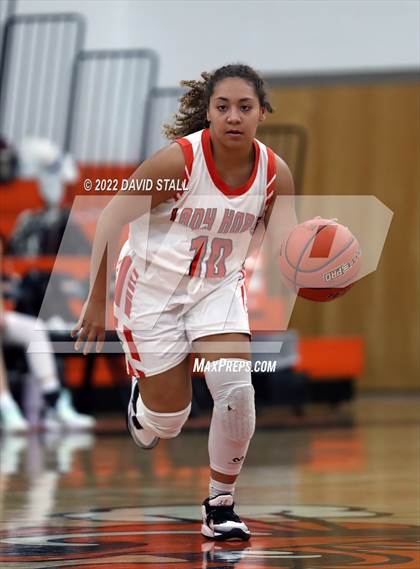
(205, 229)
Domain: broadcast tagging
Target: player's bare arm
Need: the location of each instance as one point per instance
(125, 207)
(284, 196)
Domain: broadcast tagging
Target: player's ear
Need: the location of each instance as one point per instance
(263, 114)
(207, 116)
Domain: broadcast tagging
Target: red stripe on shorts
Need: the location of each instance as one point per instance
(130, 292)
(122, 273)
(128, 335)
(132, 371)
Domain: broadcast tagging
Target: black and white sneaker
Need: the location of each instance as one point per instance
(220, 521)
(140, 436)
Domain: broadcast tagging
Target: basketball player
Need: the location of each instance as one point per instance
(180, 283)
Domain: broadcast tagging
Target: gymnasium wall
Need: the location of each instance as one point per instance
(364, 139)
(276, 36)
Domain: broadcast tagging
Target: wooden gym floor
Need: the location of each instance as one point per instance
(314, 498)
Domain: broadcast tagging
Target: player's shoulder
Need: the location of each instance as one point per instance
(193, 137)
(172, 152)
(280, 164)
(168, 161)
(179, 151)
(281, 167)
(284, 178)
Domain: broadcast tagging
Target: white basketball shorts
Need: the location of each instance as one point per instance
(157, 318)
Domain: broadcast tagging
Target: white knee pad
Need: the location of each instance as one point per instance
(163, 425)
(238, 413)
(234, 397)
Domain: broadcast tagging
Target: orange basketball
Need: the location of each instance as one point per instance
(320, 259)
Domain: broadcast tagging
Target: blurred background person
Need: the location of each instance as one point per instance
(21, 330)
(40, 232)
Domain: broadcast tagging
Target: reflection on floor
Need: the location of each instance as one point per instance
(313, 498)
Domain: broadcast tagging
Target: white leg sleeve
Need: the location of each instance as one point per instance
(233, 421)
(20, 329)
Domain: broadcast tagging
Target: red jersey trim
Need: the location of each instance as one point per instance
(217, 180)
(271, 172)
(128, 335)
(130, 292)
(188, 152)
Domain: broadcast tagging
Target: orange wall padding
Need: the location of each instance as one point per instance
(326, 358)
(22, 195)
(14, 199)
(103, 375)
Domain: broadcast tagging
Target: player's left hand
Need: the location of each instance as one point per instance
(91, 326)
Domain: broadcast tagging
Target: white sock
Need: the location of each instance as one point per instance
(6, 400)
(216, 488)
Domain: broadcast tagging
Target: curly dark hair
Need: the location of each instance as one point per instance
(191, 115)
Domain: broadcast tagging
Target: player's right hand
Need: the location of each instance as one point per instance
(91, 326)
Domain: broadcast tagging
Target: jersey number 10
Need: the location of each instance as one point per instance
(215, 264)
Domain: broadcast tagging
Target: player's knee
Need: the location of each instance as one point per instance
(237, 412)
(164, 425)
(234, 402)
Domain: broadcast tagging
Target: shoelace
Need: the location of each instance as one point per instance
(220, 514)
